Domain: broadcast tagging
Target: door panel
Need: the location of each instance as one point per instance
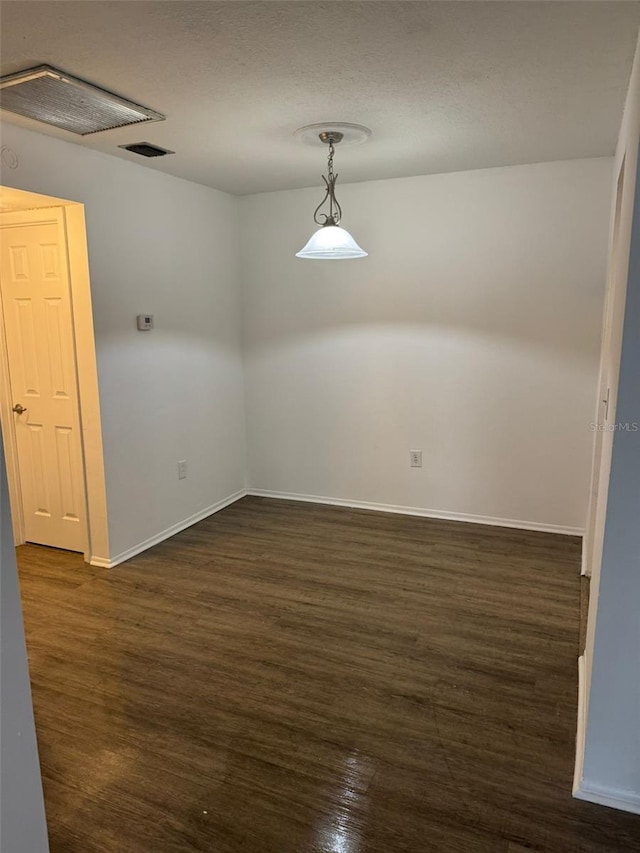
(37, 469)
(39, 335)
(66, 473)
(25, 344)
(55, 322)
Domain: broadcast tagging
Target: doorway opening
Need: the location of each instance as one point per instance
(49, 403)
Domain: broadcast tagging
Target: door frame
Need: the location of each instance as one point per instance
(73, 226)
(610, 350)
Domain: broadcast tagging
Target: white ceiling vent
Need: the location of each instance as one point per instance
(48, 95)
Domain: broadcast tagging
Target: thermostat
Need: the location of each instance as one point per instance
(145, 322)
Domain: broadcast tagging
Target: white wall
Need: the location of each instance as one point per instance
(610, 772)
(471, 332)
(22, 818)
(166, 246)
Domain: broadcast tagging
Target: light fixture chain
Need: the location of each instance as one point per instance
(331, 153)
(332, 180)
(335, 211)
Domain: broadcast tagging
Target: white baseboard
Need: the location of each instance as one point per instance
(422, 512)
(585, 568)
(109, 563)
(103, 563)
(100, 562)
(626, 801)
(581, 725)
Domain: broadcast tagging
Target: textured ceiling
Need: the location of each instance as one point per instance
(444, 86)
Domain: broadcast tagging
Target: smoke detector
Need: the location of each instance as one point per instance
(53, 97)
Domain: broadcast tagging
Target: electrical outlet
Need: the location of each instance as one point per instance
(415, 458)
(182, 469)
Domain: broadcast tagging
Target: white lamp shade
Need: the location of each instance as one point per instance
(331, 243)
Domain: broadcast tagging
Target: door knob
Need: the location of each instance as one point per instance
(18, 409)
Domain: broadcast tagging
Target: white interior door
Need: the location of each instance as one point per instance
(38, 329)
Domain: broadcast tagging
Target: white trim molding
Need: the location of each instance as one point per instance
(582, 723)
(614, 798)
(110, 563)
(585, 568)
(421, 511)
(68, 218)
(628, 801)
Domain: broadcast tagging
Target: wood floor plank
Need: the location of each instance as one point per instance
(294, 678)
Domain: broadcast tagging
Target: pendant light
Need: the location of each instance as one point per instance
(330, 242)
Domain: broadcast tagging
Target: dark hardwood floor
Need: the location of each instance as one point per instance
(288, 678)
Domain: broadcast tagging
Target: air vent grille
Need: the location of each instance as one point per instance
(146, 149)
(51, 96)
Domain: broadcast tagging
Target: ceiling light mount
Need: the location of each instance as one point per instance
(331, 137)
(331, 242)
(350, 134)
